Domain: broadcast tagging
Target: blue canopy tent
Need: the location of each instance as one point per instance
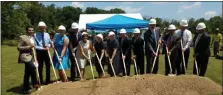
(118, 22)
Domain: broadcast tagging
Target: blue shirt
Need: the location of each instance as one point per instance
(39, 40)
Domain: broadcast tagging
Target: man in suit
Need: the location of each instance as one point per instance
(113, 53)
(138, 51)
(186, 38)
(74, 37)
(25, 46)
(43, 43)
(125, 49)
(172, 43)
(202, 50)
(151, 38)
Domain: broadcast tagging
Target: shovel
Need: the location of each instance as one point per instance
(168, 57)
(135, 66)
(123, 61)
(61, 65)
(78, 68)
(37, 71)
(91, 67)
(183, 56)
(52, 66)
(100, 64)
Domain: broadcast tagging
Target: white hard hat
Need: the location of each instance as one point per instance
(183, 23)
(61, 27)
(200, 26)
(122, 31)
(136, 30)
(111, 33)
(172, 27)
(74, 25)
(100, 36)
(152, 21)
(84, 33)
(41, 23)
(217, 29)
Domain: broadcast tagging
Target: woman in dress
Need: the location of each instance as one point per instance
(83, 53)
(61, 42)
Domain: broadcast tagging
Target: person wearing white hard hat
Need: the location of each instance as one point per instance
(24, 47)
(138, 51)
(151, 38)
(201, 49)
(83, 52)
(171, 42)
(125, 50)
(99, 47)
(186, 36)
(74, 36)
(216, 39)
(43, 43)
(60, 44)
(112, 51)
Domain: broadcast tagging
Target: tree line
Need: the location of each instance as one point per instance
(16, 16)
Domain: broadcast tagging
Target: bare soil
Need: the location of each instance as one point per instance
(136, 85)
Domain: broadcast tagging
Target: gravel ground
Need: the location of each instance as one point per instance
(136, 85)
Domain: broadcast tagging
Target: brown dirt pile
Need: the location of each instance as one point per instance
(136, 85)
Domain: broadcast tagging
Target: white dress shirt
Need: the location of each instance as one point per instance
(187, 37)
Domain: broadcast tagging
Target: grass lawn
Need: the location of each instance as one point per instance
(12, 72)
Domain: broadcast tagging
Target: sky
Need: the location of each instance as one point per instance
(164, 10)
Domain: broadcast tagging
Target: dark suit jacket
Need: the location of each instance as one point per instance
(72, 43)
(24, 46)
(174, 44)
(150, 41)
(125, 47)
(202, 47)
(138, 46)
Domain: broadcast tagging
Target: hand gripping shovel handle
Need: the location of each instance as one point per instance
(181, 43)
(100, 63)
(123, 61)
(78, 68)
(61, 64)
(37, 71)
(52, 64)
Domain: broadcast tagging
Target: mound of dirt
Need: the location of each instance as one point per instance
(136, 85)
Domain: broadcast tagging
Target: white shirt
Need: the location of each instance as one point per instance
(187, 37)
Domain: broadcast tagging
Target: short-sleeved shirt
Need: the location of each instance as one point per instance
(99, 47)
(217, 38)
(111, 44)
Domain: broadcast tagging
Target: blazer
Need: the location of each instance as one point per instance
(24, 47)
(202, 47)
(174, 43)
(150, 43)
(138, 46)
(72, 43)
(125, 47)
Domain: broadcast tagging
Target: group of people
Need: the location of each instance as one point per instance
(116, 53)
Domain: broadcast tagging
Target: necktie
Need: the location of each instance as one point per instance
(43, 41)
(182, 37)
(169, 42)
